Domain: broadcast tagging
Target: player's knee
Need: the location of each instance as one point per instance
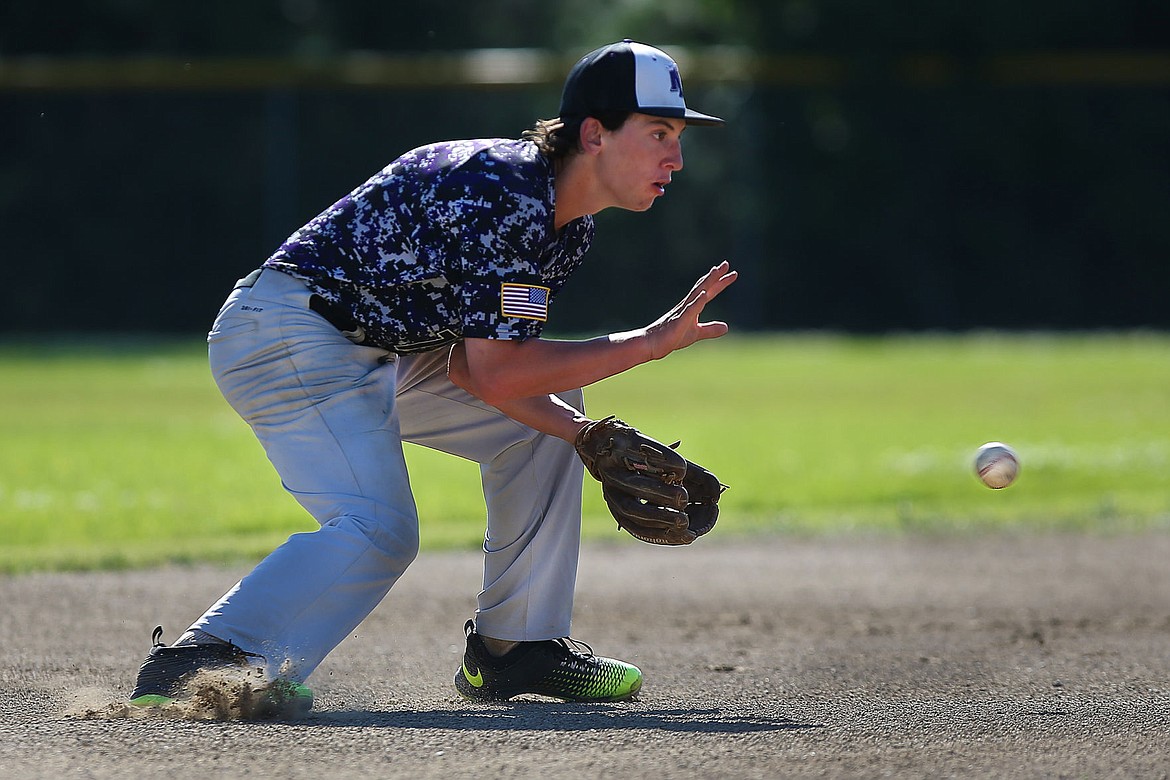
(395, 536)
(403, 544)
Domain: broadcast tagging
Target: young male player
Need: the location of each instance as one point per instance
(411, 310)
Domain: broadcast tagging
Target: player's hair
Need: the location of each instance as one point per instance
(558, 138)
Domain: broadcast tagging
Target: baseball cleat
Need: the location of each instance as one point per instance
(557, 668)
(163, 676)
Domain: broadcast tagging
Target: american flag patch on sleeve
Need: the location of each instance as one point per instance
(524, 301)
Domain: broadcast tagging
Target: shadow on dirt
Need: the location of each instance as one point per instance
(539, 716)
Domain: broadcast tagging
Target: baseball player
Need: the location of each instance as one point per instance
(411, 310)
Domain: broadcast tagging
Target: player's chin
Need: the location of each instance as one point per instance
(637, 206)
(644, 204)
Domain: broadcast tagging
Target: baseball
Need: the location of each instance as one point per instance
(997, 465)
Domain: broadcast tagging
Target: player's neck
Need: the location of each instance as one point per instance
(577, 193)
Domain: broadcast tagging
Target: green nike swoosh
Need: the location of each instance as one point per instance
(476, 679)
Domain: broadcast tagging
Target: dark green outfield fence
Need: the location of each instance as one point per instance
(893, 170)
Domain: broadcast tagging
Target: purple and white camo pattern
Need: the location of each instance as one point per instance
(418, 253)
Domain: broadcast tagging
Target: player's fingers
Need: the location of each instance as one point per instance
(697, 331)
(718, 279)
(713, 274)
(715, 281)
(693, 307)
(705, 280)
(711, 330)
(722, 283)
(714, 284)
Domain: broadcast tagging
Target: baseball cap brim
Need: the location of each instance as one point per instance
(629, 76)
(691, 116)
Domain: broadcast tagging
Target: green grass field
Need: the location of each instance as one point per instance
(124, 454)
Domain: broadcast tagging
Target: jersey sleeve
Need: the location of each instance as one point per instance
(502, 232)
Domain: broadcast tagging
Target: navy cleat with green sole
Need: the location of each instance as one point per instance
(558, 668)
(163, 676)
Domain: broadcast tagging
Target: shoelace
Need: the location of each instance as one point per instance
(574, 647)
(156, 639)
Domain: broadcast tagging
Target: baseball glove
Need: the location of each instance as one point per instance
(654, 493)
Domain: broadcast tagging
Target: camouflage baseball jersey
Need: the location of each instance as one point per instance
(451, 240)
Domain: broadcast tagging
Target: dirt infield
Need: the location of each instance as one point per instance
(1008, 656)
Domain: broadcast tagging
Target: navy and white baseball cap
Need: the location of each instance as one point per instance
(628, 76)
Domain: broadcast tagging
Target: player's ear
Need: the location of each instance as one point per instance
(590, 135)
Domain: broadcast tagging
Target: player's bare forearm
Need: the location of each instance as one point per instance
(547, 414)
(499, 371)
(503, 371)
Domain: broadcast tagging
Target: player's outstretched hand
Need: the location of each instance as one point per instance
(680, 326)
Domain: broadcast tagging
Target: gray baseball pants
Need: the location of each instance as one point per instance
(332, 417)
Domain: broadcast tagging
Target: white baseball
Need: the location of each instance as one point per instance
(997, 465)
